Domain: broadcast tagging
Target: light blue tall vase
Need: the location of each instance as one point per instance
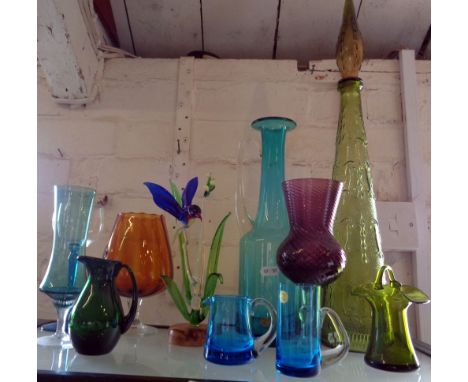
(65, 276)
(258, 272)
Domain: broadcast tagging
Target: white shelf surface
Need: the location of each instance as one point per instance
(153, 356)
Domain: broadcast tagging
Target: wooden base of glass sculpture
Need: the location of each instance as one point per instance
(185, 334)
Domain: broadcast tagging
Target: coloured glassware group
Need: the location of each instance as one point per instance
(347, 289)
(307, 259)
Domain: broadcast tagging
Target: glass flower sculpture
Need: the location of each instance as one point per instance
(181, 206)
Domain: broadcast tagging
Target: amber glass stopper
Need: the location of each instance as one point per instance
(349, 48)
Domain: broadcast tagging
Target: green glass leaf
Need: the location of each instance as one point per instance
(414, 294)
(210, 284)
(210, 186)
(210, 287)
(173, 290)
(186, 276)
(215, 247)
(197, 316)
(176, 193)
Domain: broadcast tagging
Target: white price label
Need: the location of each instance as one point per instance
(283, 297)
(269, 271)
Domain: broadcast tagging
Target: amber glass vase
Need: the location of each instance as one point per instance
(140, 241)
(356, 226)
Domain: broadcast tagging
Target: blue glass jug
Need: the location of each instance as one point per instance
(300, 320)
(258, 271)
(229, 339)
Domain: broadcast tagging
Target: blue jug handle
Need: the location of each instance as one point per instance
(262, 342)
(331, 356)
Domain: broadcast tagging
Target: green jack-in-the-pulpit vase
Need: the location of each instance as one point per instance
(97, 318)
(258, 271)
(356, 225)
(390, 346)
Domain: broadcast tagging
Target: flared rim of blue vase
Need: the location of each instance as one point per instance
(273, 123)
(229, 297)
(70, 187)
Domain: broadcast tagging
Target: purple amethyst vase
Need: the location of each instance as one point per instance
(310, 254)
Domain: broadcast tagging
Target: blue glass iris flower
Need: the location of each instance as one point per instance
(184, 211)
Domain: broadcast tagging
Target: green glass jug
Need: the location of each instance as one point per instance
(97, 318)
(390, 346)
(356, 226)
(258, 271)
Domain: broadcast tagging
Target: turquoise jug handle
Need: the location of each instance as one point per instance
(128, 319)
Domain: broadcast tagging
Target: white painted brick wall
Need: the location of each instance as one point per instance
(306, 143)
(127, 136)
(383, 105)
(321, 105)
(51, 171)
(75, 138)
(223, 133)
(157, 142)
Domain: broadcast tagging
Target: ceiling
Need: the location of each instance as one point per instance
(263, 29)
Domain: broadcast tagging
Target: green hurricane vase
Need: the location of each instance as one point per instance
(356, 227)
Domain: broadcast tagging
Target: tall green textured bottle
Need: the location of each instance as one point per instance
(356, 225)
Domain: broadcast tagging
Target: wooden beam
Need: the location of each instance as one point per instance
(418, 188)
(67, 51)
(183, 121)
